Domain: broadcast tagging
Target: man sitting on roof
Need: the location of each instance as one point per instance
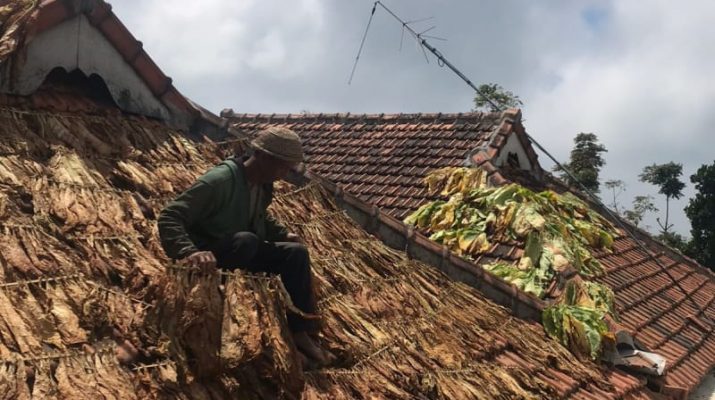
(221, 221)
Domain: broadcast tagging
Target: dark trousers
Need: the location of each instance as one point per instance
(246, 251)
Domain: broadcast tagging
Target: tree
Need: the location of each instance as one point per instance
(501, 97)
(641, 205)
(585, 163)
(701, 213)
(616, 186)
(675, 241)
(667, 178)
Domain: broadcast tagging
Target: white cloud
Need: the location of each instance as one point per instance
(645, 89)
(638, 74)
(195, 39)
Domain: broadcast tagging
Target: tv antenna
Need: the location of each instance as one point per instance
(421, 38)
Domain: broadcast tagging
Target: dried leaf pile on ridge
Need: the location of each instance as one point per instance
(556, 231)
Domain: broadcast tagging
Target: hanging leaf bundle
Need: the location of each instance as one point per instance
(578, 319)
(579, 328)
(557, 231)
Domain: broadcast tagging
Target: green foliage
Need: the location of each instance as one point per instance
(578, 328)
(557, 232)
(585, 162)
(701, 212)
(501, 97)
(617, 187)
(674, 240)
(667, 178)
(577, 321)
(641, 206)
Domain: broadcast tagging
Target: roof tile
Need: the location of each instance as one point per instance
(401, 147)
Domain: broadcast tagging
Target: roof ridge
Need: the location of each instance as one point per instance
(347, 117)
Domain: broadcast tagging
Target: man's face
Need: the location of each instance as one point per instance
(276, 169)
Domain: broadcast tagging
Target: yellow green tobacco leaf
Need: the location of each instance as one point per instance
(454, 182)
(527, 219)
(472, 242)
(557, 231)
(602, 297)
(445, 214)
(436, 179)
(530, 281)
(578, 328)
(422, 217)
(606, 240)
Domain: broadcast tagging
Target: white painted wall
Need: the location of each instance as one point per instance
(513, 145)
(76, 44)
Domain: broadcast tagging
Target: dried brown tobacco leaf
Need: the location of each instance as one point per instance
(200, 324)
(34, 315)
(14, 256)
(12, 382)
(66, 320)
(280, 356)
(11, 170)
(241, 336)
(75, 379)
(44, 385)
(112, 381)
(190, 311)
(47, 254)
(141, 178)
(93, 144)
(15, 334)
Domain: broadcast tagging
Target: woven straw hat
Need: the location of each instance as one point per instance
(281, 143)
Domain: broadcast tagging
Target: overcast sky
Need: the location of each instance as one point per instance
(636, 73)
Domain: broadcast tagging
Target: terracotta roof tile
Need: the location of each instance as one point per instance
(398, 147)
(656, 307)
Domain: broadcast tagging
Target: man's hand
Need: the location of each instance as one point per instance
(292, 237)
(203, 260)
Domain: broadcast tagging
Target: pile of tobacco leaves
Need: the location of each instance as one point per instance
(556, 231)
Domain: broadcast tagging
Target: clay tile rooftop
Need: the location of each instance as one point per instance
(666, 304)
(382, 158)
(90, 306)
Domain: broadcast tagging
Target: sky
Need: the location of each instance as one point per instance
(635, 73)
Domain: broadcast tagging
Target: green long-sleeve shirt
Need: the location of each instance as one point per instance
(215, 207)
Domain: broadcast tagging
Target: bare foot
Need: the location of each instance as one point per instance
(307, 363)
(308, 347)
(126, 353)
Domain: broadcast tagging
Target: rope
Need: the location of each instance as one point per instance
(116, 293)
(105, 237)
(301, 189)
(41, 280)
(280, 288)
(71, 354)
(160, 364)
(318, 220)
